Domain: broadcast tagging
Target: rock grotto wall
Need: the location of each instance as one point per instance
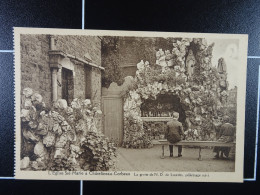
(63, 137)
(185, 71)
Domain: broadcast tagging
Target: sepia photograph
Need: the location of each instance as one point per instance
(129, 105)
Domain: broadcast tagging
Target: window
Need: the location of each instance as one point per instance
(87, 82)
(67, 85)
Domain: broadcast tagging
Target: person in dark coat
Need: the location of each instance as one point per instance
(174, 132)
(226, 134)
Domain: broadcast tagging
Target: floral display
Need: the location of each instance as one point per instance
(63, 137)
(185, 71)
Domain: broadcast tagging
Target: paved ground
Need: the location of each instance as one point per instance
(149, 160)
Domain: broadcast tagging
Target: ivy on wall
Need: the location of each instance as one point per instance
(120, 51)
(110, 61)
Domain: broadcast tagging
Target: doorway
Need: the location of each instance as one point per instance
(67, 85)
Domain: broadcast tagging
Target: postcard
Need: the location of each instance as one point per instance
(129, 105)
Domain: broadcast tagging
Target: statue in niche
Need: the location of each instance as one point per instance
(222, 73)
(190, 63)
(222, 67)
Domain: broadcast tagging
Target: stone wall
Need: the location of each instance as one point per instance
(96, 94)
(79, 80)
(78, 46)
(96, 87)
(232, 97)
(36, 72)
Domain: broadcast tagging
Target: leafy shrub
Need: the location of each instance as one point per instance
(99, 152)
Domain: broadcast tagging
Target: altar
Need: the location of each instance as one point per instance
(155, 114)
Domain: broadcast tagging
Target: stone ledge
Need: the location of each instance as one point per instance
(163, 119)
(57, 55)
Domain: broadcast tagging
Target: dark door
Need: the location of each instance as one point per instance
(67, 85)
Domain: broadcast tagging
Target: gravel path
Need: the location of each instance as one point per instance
(149, 160)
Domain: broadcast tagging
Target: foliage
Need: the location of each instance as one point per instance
(98, 152)
(110, 61)
(55, 139)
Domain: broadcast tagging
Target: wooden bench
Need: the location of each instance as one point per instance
(199, 144)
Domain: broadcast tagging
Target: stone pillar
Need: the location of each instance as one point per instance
(56, 66)
(52, 43)
(54, 84)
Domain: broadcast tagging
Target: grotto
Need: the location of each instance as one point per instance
(183, 80)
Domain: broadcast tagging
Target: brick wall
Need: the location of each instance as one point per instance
(36, 72)
(79, 81)
(80, 45)
(96, 87)
(96, 93)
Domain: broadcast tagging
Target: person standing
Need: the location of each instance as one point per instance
(174, 132)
